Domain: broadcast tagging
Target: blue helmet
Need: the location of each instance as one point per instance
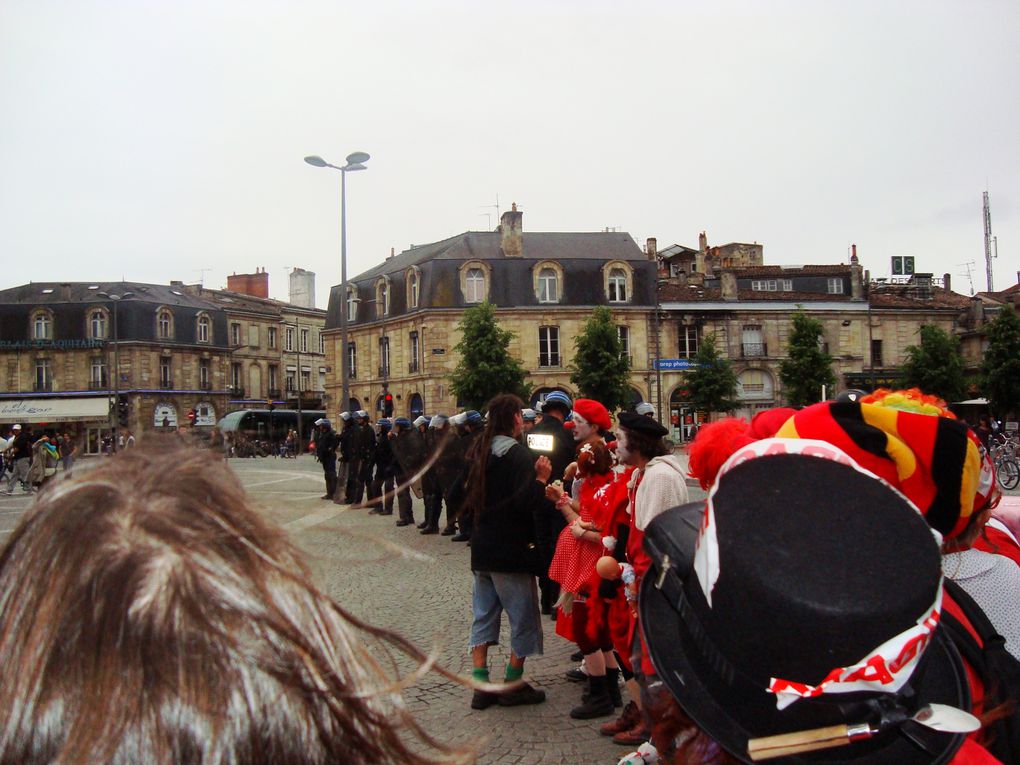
(558, 398)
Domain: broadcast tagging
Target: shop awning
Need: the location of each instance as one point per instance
(54, 409)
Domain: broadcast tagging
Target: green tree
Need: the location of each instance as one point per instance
(935, 365)
(600, 370)
(1000, 368)
(485, 368)
(712, 384)
(807, 367)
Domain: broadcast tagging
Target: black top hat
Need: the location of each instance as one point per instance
(803, 566)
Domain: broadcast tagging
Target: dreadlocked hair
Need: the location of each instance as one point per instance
(500, 415)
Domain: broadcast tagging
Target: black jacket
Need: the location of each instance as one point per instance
(503, 538)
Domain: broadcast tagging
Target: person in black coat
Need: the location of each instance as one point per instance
(326, 442)
(348, 436)
(504, 488)
(360, 474)
(550, 438)
(380, 489)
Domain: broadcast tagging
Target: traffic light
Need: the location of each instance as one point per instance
(388, 404)
(123, 410)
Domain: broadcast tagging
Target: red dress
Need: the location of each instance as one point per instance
(574, 559)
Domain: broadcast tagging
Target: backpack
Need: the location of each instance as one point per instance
(997, 668)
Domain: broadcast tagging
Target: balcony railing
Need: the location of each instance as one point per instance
(549, 360)
(98, 385)
(413, 367)
(754, 350)
(166, 384)
(205, 385)
(236, 392)
(274, 393)
(44, 386)
(384, 371)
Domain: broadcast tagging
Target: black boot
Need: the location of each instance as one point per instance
(598, 703)
(613, 686)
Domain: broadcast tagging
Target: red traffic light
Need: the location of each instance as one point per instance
(389, 397)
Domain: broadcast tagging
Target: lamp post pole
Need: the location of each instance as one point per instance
(115, 299)
(355, 161)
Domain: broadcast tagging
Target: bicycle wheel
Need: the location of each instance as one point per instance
(1008, 473)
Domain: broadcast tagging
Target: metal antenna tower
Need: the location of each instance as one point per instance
(988, 242)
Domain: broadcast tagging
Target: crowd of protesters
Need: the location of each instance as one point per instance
(837, 596)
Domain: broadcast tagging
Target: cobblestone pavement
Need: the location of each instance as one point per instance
(419, 586)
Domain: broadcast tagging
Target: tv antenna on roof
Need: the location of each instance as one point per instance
(201, 275)
(496, 206)
(969, 274)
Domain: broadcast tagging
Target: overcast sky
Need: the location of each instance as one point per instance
(155, 140)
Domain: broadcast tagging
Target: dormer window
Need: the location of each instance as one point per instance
(413, 285)
(164, 324)
(474, 281)
(42, 325)
(619, 281)
(548, 282)
(204, 327)
(382, 297)
(98, 324)
(352, 304)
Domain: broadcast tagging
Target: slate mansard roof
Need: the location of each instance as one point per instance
(69, 303)
(580, 255)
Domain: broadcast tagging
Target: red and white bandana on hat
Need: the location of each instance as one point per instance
(884, 669)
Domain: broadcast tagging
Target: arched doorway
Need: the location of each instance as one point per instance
(355, 405)
(165, 415)
(205, 413)
(635, 397)
(417, 405)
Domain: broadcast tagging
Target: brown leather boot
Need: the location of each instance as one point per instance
(636, 736)
(631, 716)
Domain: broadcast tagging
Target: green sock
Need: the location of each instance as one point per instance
(513, 673)
(481, 674)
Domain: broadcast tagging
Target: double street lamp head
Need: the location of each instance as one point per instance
(355, 161)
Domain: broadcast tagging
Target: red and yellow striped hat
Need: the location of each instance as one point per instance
(934, 461)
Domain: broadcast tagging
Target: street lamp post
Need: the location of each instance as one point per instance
(116, 360)
(355, 162)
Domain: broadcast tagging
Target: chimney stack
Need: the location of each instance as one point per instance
(947, 283)
(511, 228)
(728, 282)
(302, 288)
(256, 284)
(856, 275)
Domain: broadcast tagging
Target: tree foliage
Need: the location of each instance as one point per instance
(600, 369)
(485, 368)
(807, 367)
(1000, 368)
(712, 385)
(935, 365)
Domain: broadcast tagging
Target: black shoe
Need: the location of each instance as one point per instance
(597, 704)
(577, 656)
(483, 700)
(613, 686)
(404, 522)
(449, 531)
(462, 537)
(385, 512)
(525, 694)
(577, 676)
(429, 530)
(325, 496)
(423, 524)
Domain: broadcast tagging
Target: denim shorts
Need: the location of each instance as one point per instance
(515, 593)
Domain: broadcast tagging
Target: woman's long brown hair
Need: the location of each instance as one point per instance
(148, 615)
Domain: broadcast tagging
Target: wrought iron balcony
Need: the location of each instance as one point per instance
(205, 385)
(236, 392)
(274, 393)
(166, 384)
(44, 386)
(549, 360)
(98, 385)
(384, 371)
(413, 367)
(754, 350)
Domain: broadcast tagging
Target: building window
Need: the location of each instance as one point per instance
(876, 353)
(166, 381)
(772, 285)
(352, 360)
(752, 341)
(97, 373)
(548, 286)
(352, 304)
(474, 286)
(617, 292)
(204, 327)
(382, 297)
(42, 326)
(97, 324)
(384, 356)
(272, 337)
(412, 288)
(274, 379)
(235, 334)
(306, 379)
(623, 333)
(548, 346)
(413, 352)
(288, 340)
(688, 336)
(291, 377)
(204, 377)
(235, 377)
(164, 324)
(322, 343)
(304, 340)
(835, 286)
(43, 376)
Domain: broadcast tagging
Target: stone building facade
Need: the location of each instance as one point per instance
(403, 315)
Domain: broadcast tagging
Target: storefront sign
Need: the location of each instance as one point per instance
(675, 364)
(55, 409)
(59, 345)
(165, 415)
